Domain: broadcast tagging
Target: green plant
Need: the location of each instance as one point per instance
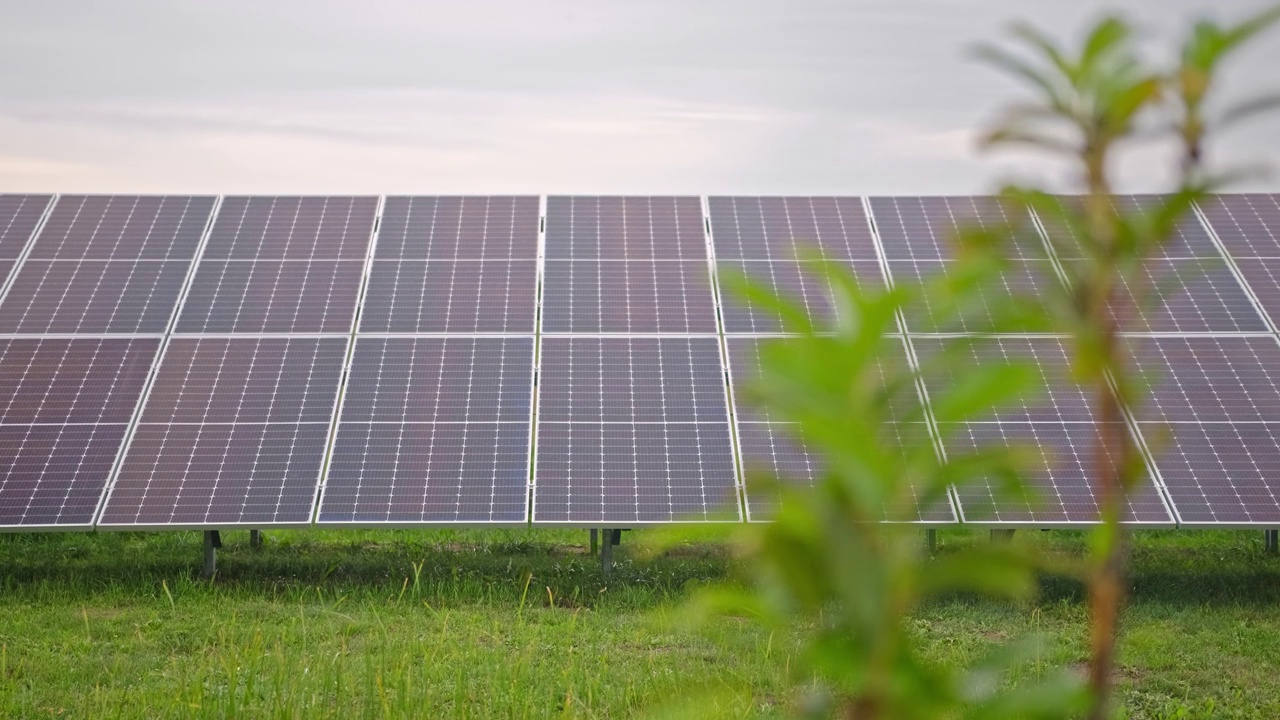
(841, 564)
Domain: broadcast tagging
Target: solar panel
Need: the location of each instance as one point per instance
(1209, 419)
(625, 228)
(281, 264)
(1248, 225)
(233, 431)
(924, 228)
(1189, 240)
(990, 308)
(458, 228)
(774, 228)
(413, 296)
(627, 297)
(123, 227)
(1061, 485)
(65, 406)
(433, 430)
(626, 265)
(633, 430)
(768, 447)
(106, 264)
(1057, 423)
(803, 285)
(1210, 379)
(1186, 296)
(93, 296)
(19, 216)
(240, 296)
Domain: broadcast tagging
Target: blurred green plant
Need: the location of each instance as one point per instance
(842, 564)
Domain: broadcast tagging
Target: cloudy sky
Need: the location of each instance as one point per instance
(593, 96)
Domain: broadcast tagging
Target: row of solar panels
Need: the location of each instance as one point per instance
(195, 362)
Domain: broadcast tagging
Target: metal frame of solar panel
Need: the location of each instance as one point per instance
(787, 232)
(471, 441)
(205, 423)
(648, 480)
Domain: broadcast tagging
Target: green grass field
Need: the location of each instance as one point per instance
(504, 624)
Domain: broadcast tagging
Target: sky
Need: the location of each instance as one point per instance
(560, 96)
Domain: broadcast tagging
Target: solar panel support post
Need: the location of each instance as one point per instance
(606, 552)
(595, 541)
(931, 539)
(255, 539)
(1272, 541)
(1002, 536)
(212, 541)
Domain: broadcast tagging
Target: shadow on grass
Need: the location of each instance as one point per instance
(495, 566)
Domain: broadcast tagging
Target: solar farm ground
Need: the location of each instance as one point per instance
(520, 623)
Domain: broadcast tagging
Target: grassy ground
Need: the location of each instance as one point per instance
(521, 624)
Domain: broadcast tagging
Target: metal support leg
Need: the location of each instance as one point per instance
(931, 537)
(255, 539)
(595, 544)
(212, 541)
(1273, 541)
(606, 553)
(1001, 536)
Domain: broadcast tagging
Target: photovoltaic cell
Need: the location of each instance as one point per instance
(1247, 224)
(19, 215)
(454, 265)
(769, 450)
(292, 228)
(1185, 296)
(774, 228)
(995, 306)
(93, 296)
(1221, 473)
(1209, 379)
(924, 228)
(625, 228)
(282, 265)
(415, 296)
(234, 431)
(123, 227)
(272, 297)
(1189, 240)
(433, 430)
(47, 381)
(1057, 397)
(106, 264)
(803, 285)
(1211, 420)
(1057, 422)
(627, 297)
(65, 405)
(1060, 485)
(633, 430)
(458, 228)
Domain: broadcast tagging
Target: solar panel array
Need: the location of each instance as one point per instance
(185, 361)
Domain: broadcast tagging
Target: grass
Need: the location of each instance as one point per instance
(503, 624)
